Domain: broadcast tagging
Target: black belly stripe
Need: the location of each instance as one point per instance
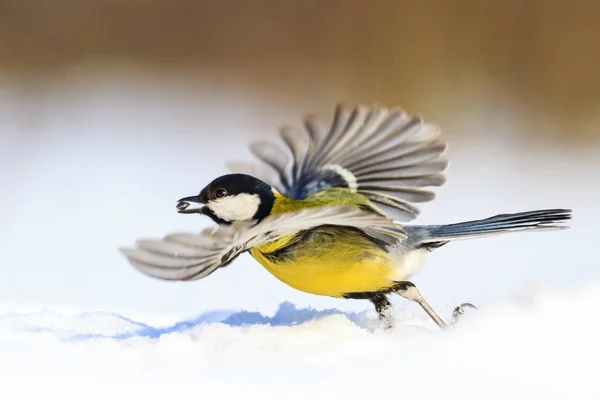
(370, 295)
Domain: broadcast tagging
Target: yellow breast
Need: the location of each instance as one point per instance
(329, 261)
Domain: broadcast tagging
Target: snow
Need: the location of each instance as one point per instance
(543, 345)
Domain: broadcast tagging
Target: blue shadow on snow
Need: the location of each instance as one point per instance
(286, 315)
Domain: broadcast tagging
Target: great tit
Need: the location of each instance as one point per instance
(326, 215)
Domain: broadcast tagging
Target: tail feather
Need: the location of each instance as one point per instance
(504, 223)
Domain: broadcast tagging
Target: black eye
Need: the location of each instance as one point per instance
(220, 193)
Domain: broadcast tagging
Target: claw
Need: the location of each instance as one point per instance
(460, 310)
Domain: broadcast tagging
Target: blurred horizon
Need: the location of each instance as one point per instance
(540, 57)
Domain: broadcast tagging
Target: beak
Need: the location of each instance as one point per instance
(189, 205)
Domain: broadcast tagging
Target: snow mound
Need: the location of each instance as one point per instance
(543, 348)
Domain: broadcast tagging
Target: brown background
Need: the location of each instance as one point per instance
(542, 56)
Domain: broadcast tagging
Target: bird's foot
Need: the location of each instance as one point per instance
(460, 310)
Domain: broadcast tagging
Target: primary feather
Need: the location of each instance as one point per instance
(384, 154)
(186, 256)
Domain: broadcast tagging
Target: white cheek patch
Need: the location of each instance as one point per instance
(241, 207)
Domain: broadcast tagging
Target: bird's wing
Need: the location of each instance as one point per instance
(384, 154)
(185, 256)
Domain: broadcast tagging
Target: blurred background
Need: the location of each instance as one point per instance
(111, 110)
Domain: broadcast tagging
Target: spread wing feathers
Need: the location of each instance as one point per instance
(385, 154)
(187, 256)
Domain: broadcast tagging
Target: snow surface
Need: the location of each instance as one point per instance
(542, 346)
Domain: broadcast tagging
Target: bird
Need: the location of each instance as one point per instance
(325, 211)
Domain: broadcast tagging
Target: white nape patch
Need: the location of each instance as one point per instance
(241, 207)
(345, 174)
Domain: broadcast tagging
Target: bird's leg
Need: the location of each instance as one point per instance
(460, 310)
(383, 308)
(409, 291)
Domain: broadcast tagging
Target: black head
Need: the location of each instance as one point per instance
(234, 197)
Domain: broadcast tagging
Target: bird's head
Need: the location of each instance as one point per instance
(229, 198)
